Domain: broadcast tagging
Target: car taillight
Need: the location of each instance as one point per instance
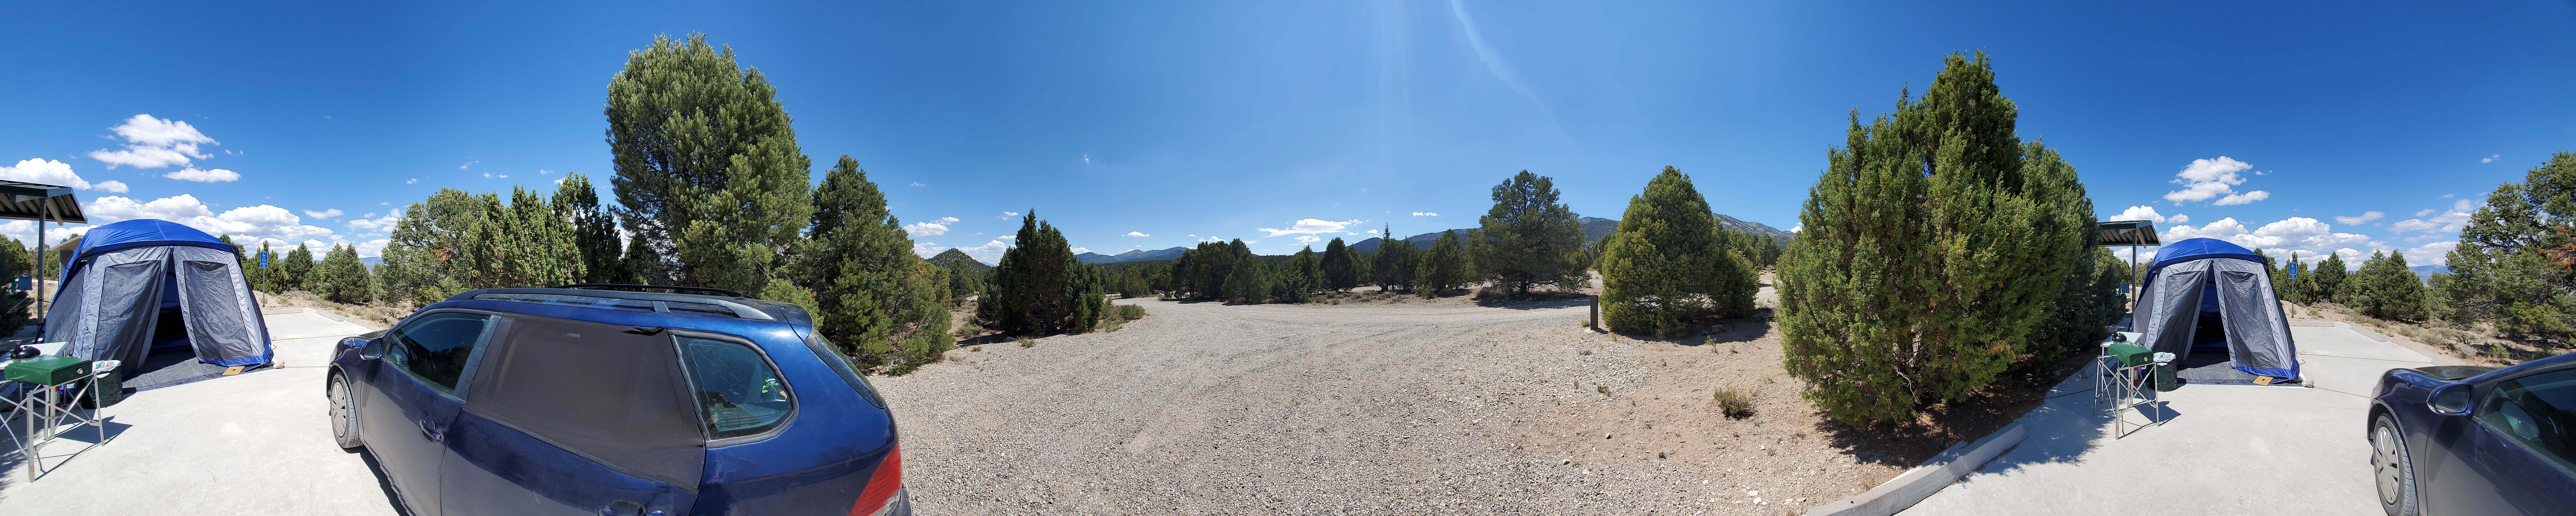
(882, 485)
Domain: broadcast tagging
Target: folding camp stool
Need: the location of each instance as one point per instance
(2129, 387)
(47, 407)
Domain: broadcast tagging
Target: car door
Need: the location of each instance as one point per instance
(417, 382)
(576, 417)
(2525, 439)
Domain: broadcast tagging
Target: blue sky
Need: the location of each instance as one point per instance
(1181, 121)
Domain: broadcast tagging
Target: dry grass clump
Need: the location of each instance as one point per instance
(1733, 403)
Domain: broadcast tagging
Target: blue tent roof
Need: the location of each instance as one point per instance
(2199, 249)
(144, 232)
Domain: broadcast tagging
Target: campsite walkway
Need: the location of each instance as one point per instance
(2224, 449)
(258, 443)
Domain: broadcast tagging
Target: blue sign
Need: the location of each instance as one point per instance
(2294, 270)
(26, 283)
(263, 260)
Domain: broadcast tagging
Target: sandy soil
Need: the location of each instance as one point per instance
(1376, 407)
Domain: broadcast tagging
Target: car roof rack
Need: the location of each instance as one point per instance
(630, 286)
(739, 309)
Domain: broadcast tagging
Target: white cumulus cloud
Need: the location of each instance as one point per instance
(204, 176)
(2366, 216)
(1137, 234)
(931, 228)
(50, 172)
(2145, 213)
(324, 214)
(368, 224)
(1311, 226)
(154, 143)
(2213, 178)
(1425, 214)
(990, 252)
(2490, 158)
(2412, 225)
(1080, 250)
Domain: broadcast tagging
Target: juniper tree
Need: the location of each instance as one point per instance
(297, 265)
(1528, 238)
(1297, 282)
(541, 249)
(1395, 263)
(1935, 243)
(2330, 275)
(1445, 267)
(1661, 271)
(1038, 288)
(594, 229)
(2513, 260)
(1341, 267)
(1248, 282)
(342, 278)
(2385, 289)
(708, 170)
(858, 264)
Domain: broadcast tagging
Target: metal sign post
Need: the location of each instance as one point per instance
(2294, 283)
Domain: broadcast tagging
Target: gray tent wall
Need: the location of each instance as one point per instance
(112, 302)
(2258, 332)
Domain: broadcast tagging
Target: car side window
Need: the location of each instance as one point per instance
(2539, 410)
(438, 348)
(738, 392)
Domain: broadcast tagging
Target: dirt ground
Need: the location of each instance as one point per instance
(1419, 406)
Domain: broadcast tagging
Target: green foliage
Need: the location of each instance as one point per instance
(1249, 282)
(1528, 238)
(962, 282)
(2513, 262)
(295, 269)
(15, 305)
(2383, 288)
(1342, 269)
(1670, 263)
(708, 170)
(1730, 402)
(870, 293)
(341, 278)
(789, 292)
(1130, 312)
(594, 229)
(453, 242)
(1393, 266)
(1297, 282)
(1936, 244)
(2327, 283)
(1039, 289)
(1445, 267)
(270, 279)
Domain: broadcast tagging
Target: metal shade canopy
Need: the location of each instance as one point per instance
(2127, 232)
(28, 201)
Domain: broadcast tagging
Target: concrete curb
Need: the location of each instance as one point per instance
(1921, 482)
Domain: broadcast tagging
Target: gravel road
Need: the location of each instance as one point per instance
(1363, 408)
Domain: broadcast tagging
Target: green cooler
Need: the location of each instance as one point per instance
(48, 370)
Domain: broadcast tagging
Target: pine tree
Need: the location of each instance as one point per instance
(1528, 238)
(541, 248)
(1038, 288)
(860, 268)
(1341, 267)
(2384, 289)
(640, 265)
(1249, 282)
(594, 229)
(1658, 270)
(295, 269)
(342, 278)
(1935, 245)
(708, 170)
(1304, 275)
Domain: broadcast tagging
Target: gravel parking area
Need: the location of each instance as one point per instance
(1365, 408)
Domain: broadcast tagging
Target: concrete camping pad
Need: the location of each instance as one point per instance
(2223, 449)
(257, 443)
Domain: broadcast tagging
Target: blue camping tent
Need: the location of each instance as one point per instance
(2209, 294)
(140, 285)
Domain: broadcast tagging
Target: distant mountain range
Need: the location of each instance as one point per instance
(1594, 228)
(2425, 272)
(1132, 255)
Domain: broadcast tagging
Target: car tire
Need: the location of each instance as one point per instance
(2392, 469)
(344, 413)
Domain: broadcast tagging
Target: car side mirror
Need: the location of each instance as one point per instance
(372, 349)
(2450, 400)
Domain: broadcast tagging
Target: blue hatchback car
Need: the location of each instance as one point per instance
(2450, 440)
(609, 399)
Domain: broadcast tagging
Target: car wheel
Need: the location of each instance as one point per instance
(344, 413)
(2392, 469)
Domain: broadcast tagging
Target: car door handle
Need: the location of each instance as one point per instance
(431, 433)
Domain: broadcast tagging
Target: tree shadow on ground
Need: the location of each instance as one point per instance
(2015, 394)
(1717, 331)
(1533, 300)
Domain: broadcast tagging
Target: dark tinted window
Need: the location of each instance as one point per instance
(607, 392)
(738, 392)
(438, 348)
(841, 365)
(2539, 410)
